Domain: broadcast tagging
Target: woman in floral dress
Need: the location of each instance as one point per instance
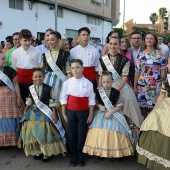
(150, 69)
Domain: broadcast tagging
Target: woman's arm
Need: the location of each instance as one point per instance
(109, 113)
(135, 81)
(105, 50)
(160, 97)
(122, 83)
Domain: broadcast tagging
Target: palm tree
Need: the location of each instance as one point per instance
(153, 18)
(162, 13)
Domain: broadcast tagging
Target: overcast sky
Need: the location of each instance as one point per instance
(140, 10)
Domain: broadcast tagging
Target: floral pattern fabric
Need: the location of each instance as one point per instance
(149, 82)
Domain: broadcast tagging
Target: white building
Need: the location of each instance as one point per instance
(39, 15)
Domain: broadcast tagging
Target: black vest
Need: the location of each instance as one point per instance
(45, 96)
(61, 61)
(113, 97)
(10, 72)
(120, 62)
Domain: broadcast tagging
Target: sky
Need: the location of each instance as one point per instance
(140, 10)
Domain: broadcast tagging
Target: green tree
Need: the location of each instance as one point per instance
(119, 31)
(153, 18)
(162, 13)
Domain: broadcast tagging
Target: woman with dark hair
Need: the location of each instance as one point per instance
(56, 66)
(119, 66)
(106, 47)
(126, 53)
(150, 69)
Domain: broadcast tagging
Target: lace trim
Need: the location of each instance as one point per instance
(153, 157)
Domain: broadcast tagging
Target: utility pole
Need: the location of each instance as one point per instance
(124, 18)
(56, 13)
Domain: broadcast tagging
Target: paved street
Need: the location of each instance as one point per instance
(15, 159)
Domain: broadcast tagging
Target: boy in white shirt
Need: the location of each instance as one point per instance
(24, 60)
(77, 102)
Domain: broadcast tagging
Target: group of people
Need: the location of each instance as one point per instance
(86, 100)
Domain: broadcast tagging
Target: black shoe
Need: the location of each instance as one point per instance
(38, 156)
(72, 164)
(81, 164)
(45, 159)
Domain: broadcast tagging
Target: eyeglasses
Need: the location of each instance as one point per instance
(138, 38)
(114, 37)
(17, 39)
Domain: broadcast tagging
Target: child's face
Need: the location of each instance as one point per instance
(76, 70)
(25, 43)
(38, 77)
(107, 81)
(2, 60)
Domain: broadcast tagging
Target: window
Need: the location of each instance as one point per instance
(105, 2)
(16, 4)
(92, 20)
(60, 12)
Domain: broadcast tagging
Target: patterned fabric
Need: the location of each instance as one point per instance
(107, 143)
(40, 137)
(8, 104)
(10, 115)
(149, 82)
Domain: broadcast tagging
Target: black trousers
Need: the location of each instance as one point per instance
(24, 88)
(94, 82)
(77, 130)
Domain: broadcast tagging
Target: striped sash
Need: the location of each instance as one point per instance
(6, 80)
(118, 79)
(48, 112)
(118, 116)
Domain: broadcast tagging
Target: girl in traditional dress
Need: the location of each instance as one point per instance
(154, 142)
(57, 68)
(11, 104)
(119, 66)
(109, 134)
(41, 135)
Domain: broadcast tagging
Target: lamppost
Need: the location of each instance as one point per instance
(124, 18)
(56, 12)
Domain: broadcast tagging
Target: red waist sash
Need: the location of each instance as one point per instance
(77, 103)
(25, 75)
(90, 73)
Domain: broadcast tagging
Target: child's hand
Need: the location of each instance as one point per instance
(89, 119)
(107, 115)
(54, 117)
(102, 108)
(19, 101)
(65, 118)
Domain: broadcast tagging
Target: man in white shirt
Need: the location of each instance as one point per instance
(136, 42)
(88, 54)
(45, 47)
(164, 48)
(24, 60)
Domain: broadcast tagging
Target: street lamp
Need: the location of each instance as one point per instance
(124, 18)
(56, 12)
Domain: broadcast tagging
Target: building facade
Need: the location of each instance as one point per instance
(38, 15)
